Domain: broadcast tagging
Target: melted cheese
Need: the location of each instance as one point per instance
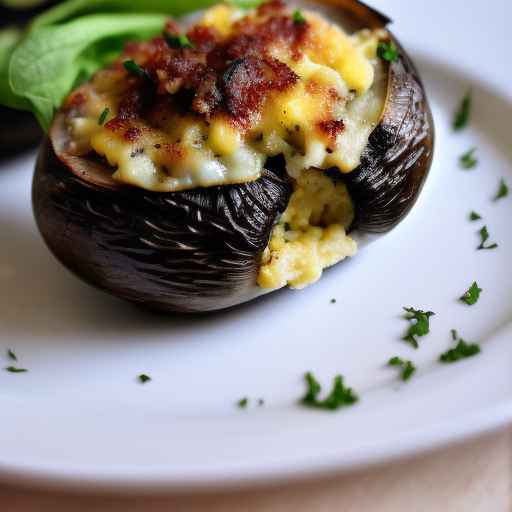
(222, 17)
(339, 78)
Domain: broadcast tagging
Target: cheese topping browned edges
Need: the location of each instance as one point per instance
(249, 86)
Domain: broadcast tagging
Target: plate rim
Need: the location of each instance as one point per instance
(161, 480)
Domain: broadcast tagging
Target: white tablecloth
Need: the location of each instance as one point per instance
(471, 477)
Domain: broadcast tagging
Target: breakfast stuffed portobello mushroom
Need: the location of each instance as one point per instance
(234, 155)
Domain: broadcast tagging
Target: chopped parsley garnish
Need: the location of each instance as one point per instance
(133, 68)
(472, 294)
(468, 160)
(484, 236)
(420, 327)
(333, 301)
(143, 378)
(287, 226)
(474, 216)
(11, 355)
(502, 191)
(461, 351)
(298, 17)
(407, 367)
(455, 335)
(461, 118)
(13, 369)
(340, 396)
(388, 51)
(242, 403)
(177, 41)
(103, 116)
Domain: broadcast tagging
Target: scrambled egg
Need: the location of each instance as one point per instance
(310, 235)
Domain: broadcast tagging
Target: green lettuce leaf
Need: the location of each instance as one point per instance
(47, 64)
(9, 38)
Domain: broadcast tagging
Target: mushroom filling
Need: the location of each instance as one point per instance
(208, 106)
(311, 234)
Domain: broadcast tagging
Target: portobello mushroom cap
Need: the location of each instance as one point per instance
(200, 250)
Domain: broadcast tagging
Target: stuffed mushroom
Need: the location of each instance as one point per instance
(235, 155)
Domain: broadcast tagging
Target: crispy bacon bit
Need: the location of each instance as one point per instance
(283, 77)
(271, 7)
(76, 99)
(124, 128)
(132, 134)
(254, 38)
(132, 104)
(117, 125)
(146, 52)
(232, 76)
(207, 96)
(331, 128)
(248, 81)
(242, 84)
(316, 88)
(175, 70)
(204, 38)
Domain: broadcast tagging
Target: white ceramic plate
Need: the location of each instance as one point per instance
(80, 418)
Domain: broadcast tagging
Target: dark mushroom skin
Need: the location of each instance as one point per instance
(398, 157)
(191, 251)
(200, 250)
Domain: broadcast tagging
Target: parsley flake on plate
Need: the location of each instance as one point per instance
(420, 325)
(463, 113)
(472, 295)
(243, 403)
(407, 367)
(462, 350)
(14, 369)
(468, 160)
(387, 51)
(11, 355)
(502, 190)
(473, 216)
(340, 396)
(484, 236)
(143, 378)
